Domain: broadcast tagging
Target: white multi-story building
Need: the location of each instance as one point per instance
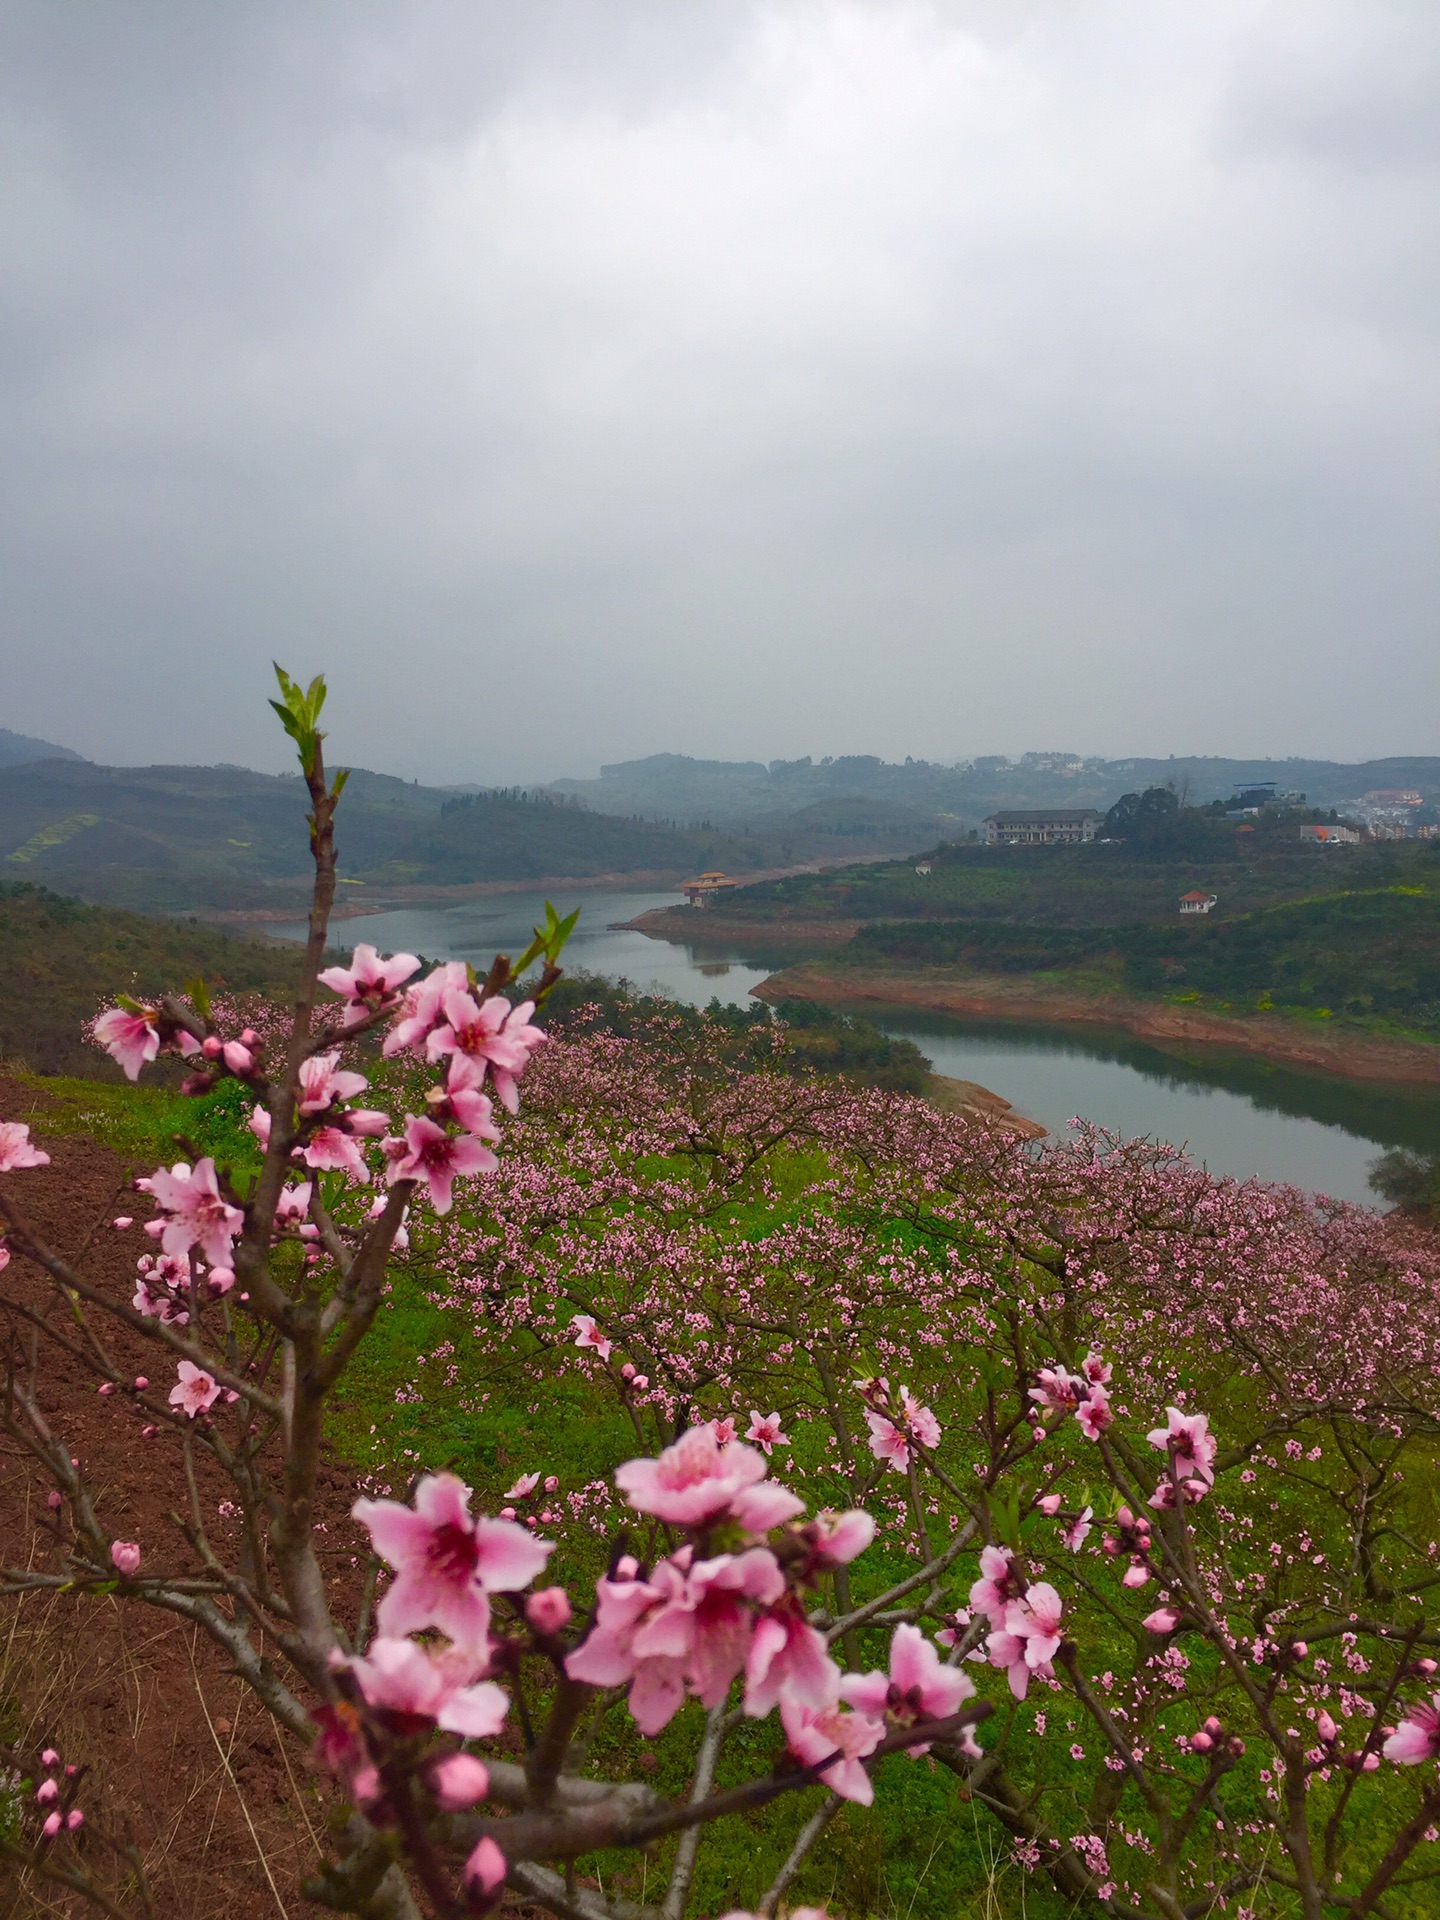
(1043, 827)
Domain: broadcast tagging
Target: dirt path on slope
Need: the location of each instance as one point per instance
(224, 1807)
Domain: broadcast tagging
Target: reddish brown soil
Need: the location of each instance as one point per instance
(1309, 1046)
(221, 1803)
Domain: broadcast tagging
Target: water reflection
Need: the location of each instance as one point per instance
(1240, 1115)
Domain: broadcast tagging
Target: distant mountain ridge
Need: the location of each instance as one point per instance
(178, 839)
(18, 749)
(734, 793)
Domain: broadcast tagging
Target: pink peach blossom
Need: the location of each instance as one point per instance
(447, 1563)
(485, 1868)
(132, 1040)
(399, 1676)
(1417, 1738)
(197, 1391)
(548, 1610)
(887, 1442)
(788, 1660)
(1058, 1389)
(816, 1734)
(997, 1586)
(16, 1149)
(437, 1159)
(125, 1557)
(588, 1334)
(368, 983)
(458, 1781)
(1095, 1414)
(334, 1150)
(918, 1686)
(764, 1430)
(193, 1213)
(421, 1009)
(1189, 1442)
(692, 1482)
(322, 1083)
(490, 1035)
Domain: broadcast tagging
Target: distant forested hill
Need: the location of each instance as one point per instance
(671, 786)
(18, 748)
(173, 839)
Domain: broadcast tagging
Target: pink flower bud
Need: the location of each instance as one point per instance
(485, 1869)
(211, 1047)
(1162, 1620)
(1050, 1504)
(1213, 1726)
(125, 1557)
(239, 1059)
(106, 1387)
(52, 1500)
(551, 1483)
(1325, 1727)
(507, 1513)
(1201, 1742)
(122, 1221)
(49, 1758)
(249, 1037)
(548, 1610)
(74, 1819)
(1370, 1763)
(640, 1382)
(460, 1781)
(1427, 1667)
(627, 1372)
(51, 1826)
(1135, 1575)
(141, 1383)
(46, 1792)
(1300, 1649)
(1037, 1433)
(148, 1433)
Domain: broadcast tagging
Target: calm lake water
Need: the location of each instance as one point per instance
(1238, 1115)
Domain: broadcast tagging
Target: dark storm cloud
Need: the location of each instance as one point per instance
(573, 381)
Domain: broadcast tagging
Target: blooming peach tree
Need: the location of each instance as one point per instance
(993, 1373)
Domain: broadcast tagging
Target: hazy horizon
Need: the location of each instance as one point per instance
(745, 380)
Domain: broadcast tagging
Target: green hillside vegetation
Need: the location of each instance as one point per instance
(177, 839)
(816, 1039)
(58, 956)
(1364, 954)
(1097, 885)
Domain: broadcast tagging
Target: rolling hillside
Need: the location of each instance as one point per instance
(181, 839)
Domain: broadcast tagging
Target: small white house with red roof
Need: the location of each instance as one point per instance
(1197, 902)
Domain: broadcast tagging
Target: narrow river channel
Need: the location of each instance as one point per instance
(1237, 1114)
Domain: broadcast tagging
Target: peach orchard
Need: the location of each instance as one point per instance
(1102, 1486)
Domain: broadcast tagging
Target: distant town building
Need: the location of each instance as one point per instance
(1197, 902)
(1043, 827)
(923, 867)
(702, 891)
(1331, 836)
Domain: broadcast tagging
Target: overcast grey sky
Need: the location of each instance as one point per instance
(578, 379)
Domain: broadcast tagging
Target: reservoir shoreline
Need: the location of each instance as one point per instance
(1341, 1052)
